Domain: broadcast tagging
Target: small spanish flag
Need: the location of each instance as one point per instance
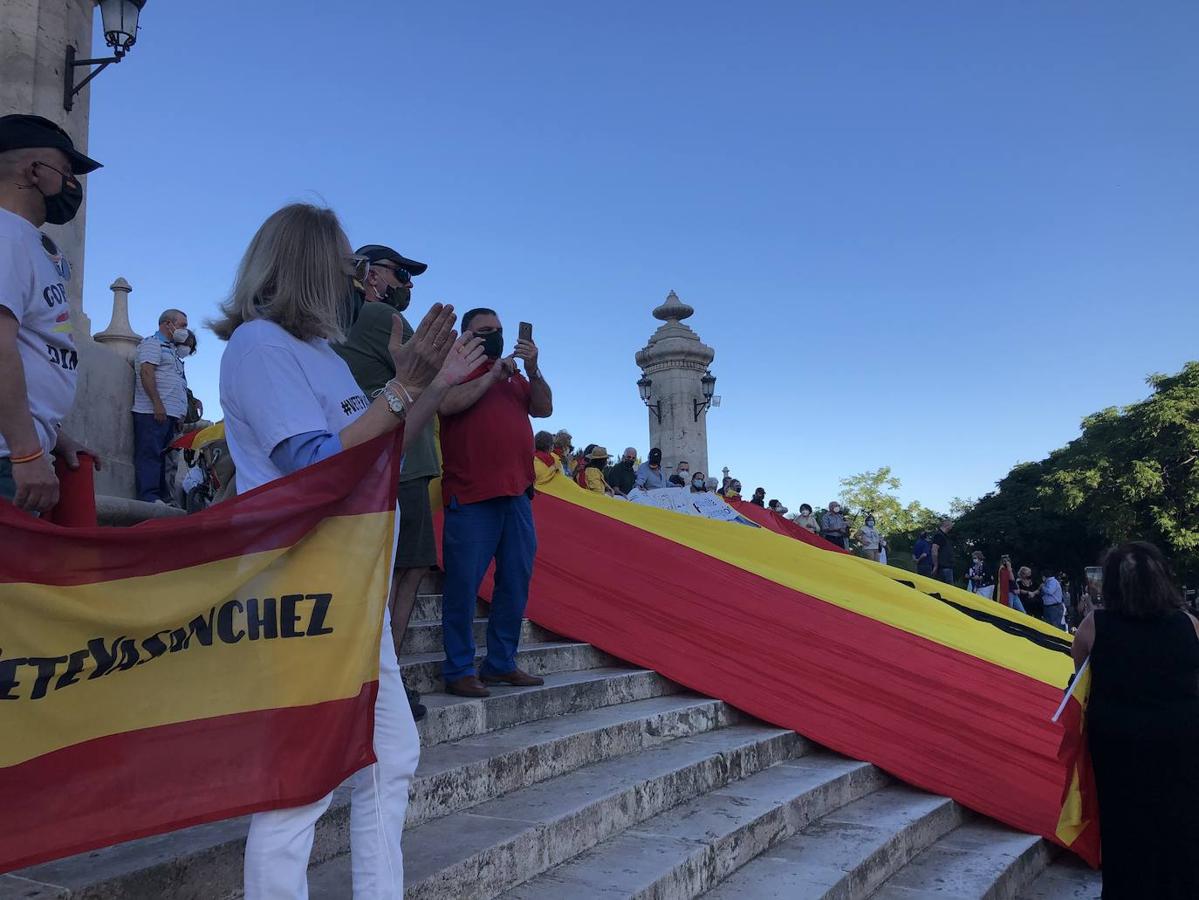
(191, 669)
(1078, 823)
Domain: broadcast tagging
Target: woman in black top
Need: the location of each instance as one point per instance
(1029, 594)
(1143, 727)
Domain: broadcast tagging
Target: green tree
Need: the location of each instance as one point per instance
(1132, 473)
(876, 492)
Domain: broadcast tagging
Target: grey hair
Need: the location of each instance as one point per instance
(292, 274)
(169, 315)
(632, 450)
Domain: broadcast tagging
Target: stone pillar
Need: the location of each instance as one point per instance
(34, 35)
(33, 45)
(674, 361)
(119, 336)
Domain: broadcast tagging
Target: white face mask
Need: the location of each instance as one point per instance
(184, 351)
(180, 335)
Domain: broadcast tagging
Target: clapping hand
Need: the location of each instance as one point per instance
(504, 367)
(464, 357)
(419, 360)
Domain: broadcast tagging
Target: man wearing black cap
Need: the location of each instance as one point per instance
(38, 184)
(383, 293)
(650, 476)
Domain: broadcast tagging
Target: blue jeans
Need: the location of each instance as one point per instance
(1055, 615)
(945, 575)
(150, 441)
(474, 534)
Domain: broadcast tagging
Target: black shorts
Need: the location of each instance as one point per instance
(416, 547)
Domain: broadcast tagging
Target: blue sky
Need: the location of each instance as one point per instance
(925, 235)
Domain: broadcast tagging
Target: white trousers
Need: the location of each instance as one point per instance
(280, 841)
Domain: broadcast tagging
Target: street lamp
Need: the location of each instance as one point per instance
(643, 385)
(707, 384)
(119, 18)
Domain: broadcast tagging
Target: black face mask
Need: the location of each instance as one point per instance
(62, 207)
(399, 297)
(493, 343)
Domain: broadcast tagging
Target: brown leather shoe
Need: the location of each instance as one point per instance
(516, 677)
(468, 686)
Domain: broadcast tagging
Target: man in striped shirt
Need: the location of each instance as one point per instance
(159, 403)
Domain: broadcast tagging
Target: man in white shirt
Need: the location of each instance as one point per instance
(39, 166)
(159, 403)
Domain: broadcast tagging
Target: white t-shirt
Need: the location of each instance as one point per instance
(169, 377)
(33, 287)
(275, 386)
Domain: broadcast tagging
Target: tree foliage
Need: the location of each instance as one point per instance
(876, 492)
(1132, 473)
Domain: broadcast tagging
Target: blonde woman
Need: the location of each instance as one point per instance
(290, 401)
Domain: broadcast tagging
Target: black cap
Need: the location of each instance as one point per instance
(655, 456)
(379, 253)
(19, 132)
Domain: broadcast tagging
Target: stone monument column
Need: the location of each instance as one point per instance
(33, 47)
(34, 35)
(673, 363)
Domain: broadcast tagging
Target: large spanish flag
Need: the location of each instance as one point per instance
(191, 669)
(944, 689)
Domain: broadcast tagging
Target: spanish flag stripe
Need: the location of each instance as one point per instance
(138, 783)
(823, 643)
(189, 670)
(42, 553)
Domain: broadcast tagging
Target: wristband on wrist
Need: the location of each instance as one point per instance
(17, 460)
(401, 391)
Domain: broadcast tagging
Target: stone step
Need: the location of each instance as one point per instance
(849, 852)
(427, 608)
(425, 637)
(452, 718)
(206, 861)
(463, 774)
(431, 582)
(422, 671)
(981, 859)
(497, 845)
(1067, 878)
(686, 850)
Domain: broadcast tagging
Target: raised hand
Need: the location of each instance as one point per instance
(464, 357)
(418, 361)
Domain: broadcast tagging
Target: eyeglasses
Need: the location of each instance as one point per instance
(403, 276)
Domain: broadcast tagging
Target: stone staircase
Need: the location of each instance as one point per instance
(612, 782)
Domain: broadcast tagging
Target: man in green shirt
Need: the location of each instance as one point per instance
(385, 292)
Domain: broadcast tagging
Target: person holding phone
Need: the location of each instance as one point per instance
(487, 458)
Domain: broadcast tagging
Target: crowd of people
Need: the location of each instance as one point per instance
(318, 357)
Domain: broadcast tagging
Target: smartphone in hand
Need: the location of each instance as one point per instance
(526, 331)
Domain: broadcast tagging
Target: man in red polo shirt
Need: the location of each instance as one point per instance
(487, 488)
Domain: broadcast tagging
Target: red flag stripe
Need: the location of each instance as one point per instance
(933, 716)
(359, 480)
(144, 782)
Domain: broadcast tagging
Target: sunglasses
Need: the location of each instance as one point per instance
(403, 276)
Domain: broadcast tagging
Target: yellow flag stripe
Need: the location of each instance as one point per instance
(196, 641)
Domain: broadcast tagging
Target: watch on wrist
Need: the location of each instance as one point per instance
(394, 401)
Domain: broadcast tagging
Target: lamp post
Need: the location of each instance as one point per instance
(707, 385)
(119, 19)
(644, 383)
